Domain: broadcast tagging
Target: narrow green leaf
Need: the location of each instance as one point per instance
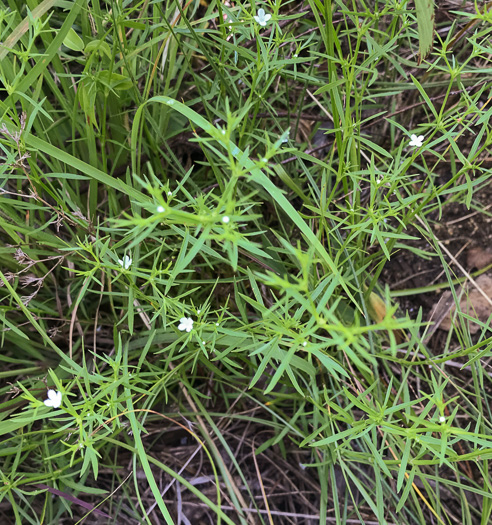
(425, 26)
(424, 96)
(403, 465)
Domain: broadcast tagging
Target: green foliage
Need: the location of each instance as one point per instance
(160, 163)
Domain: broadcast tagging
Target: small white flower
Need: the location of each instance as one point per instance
(217, 324)
(304, 343)
(262, 18)
(442, 419)
(203, 342)
(170, 193)
(198, 312)
(160, 209)
(185, 323)
(54, 399)
(126, 262)
(416, 141)
(225, 219)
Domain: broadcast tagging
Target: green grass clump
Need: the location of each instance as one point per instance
(197, 205)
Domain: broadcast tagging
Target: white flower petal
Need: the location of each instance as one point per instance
(262, 18)
(126, 262)
(185, 324)
(416, 141)
(54, 399)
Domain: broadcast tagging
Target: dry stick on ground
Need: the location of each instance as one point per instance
(171, 483)
(260, 481)
(460, 251)
(450, 255)
(284, 471)
(469, 216)
(295, 515)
